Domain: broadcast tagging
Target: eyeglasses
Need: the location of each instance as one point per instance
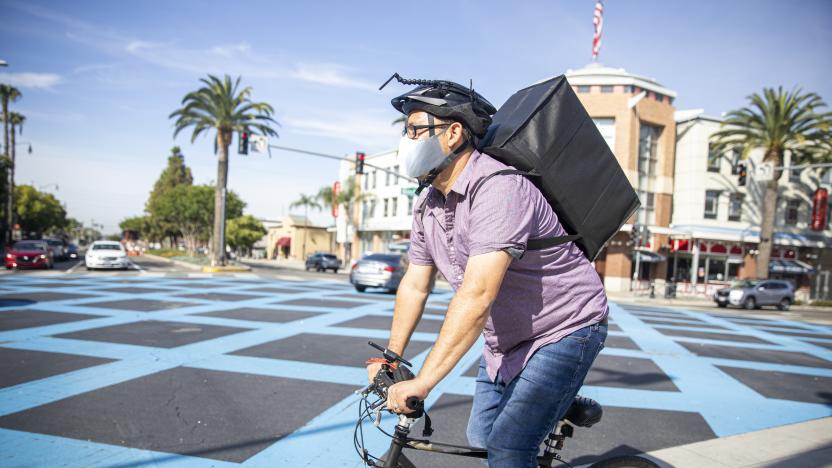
(412, 131)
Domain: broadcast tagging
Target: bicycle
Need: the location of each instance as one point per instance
(584, 412)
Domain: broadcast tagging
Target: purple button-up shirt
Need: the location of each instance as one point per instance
(545, 295)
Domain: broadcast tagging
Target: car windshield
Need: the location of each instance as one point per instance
(28, 246)
(106, 247)
(383, 258)
(329, 257)
(54, 242)
(745, 284)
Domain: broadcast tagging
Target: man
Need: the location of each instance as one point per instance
(542, 312)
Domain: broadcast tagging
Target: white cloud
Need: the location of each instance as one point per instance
(31, 80)
(370, 130)
(329, 74)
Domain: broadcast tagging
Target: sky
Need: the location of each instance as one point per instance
(99, 79)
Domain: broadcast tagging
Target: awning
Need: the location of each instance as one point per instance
(751, 235)
(648, 256)
(284, 242)
(790, 266)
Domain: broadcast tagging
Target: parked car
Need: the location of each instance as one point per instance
(322, 262)
(58, 248)
(378, 271)
(72, 250)
(106, 254)
(30, 254)
(753, 294)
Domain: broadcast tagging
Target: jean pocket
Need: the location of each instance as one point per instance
(580, 335)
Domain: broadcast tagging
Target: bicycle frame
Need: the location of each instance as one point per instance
(394, 458)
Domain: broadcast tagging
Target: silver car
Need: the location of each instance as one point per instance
(377, 271)
(753, 294)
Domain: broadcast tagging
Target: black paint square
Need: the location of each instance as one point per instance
(262, 315)
(140, 305)
(153, 333)
(18, 366)
(28, 318)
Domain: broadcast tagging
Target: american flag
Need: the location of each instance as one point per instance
(598, 21)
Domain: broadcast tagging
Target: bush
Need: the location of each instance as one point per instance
(822, 303)
(167, 253)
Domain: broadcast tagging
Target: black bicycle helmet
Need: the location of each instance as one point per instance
(447, 100)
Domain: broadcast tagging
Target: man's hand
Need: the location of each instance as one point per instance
(398, 394)
(372, 371)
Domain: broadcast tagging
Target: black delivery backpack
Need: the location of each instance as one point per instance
(545, 132)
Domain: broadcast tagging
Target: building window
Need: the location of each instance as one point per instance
(713, 158)
(366, 178)
(386, 179)
(409, 205)
(606, 126)
(372, 208)
(711, 203)
(396, 178)
(364, 210)
(583, 89)
(395, 208)
(647, 164)
(735, 207)
(736, 157)
(386, 203)
(374, 179)
(607, 88)
(794, 175)
(792, 212)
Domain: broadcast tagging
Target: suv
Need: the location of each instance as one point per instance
(753, 294)
(323, 261)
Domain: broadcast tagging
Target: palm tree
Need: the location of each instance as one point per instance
(15, 121)
(306, 201)
(222, 106)
(8, 93)
(776, 122)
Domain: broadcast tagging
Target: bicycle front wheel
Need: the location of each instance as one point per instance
(626, 461)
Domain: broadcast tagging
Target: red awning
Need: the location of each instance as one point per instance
(284, 242)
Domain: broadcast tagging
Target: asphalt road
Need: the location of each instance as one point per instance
(157, 365)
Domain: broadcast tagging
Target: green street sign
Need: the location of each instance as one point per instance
(410, 191)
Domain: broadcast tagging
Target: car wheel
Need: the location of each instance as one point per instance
(750, 303)
(784, 304)
(320, 269)
(721, 305)
(335, 270)
(306, 268)
(8, 267)
(89, 268)
(360, 288)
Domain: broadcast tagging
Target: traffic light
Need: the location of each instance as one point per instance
(242, 143)
(359, 163)
(742, 174)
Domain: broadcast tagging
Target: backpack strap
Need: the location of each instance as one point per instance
(531, 244)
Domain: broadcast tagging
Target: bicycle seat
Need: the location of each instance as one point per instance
(584, 412)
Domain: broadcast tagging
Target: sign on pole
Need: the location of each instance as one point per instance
(764, 172)
(259, 143)
(408, 191)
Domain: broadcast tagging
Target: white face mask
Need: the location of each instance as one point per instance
(420, 156)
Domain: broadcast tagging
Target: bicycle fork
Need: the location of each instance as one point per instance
(395, 458)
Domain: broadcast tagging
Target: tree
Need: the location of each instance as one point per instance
(777, 122)
(244, 232)
(349, 195)
(138, 224)
(176, 173)
(220, 105)
(305, 201)
(8, 93)
(38, 212)
(15, 121)
(190, 209)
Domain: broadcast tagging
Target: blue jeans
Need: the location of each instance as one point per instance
(511, 421)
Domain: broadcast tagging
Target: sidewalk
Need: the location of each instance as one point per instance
(807, 444)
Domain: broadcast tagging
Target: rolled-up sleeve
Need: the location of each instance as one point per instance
(501, 216)
(419, 254)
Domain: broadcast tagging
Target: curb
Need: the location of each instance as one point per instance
(226, 269)
(182, 264)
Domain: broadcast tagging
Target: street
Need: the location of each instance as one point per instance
(162, 366)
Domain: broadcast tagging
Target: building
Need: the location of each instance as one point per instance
(383, 210)
(715, 228)
(296, 237)
(635, 114)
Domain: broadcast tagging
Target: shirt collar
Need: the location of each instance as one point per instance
(461, 184)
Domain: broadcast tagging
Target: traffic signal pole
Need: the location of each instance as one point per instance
(341, 158)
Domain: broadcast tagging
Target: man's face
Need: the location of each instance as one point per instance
(450, 133)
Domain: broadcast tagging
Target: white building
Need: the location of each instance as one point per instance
(715, 222)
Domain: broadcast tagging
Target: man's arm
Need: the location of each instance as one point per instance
(411, 296)
(464, 321)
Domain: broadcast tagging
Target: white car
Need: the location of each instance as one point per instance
(106, 254)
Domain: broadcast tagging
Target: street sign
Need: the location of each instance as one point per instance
(764, 172)
(409, 191)
(259, 143)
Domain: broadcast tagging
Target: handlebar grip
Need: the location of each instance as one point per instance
(415, 403)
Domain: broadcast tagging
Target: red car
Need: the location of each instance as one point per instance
(30, 254)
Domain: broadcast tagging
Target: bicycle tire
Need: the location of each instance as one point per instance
(626, 461)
